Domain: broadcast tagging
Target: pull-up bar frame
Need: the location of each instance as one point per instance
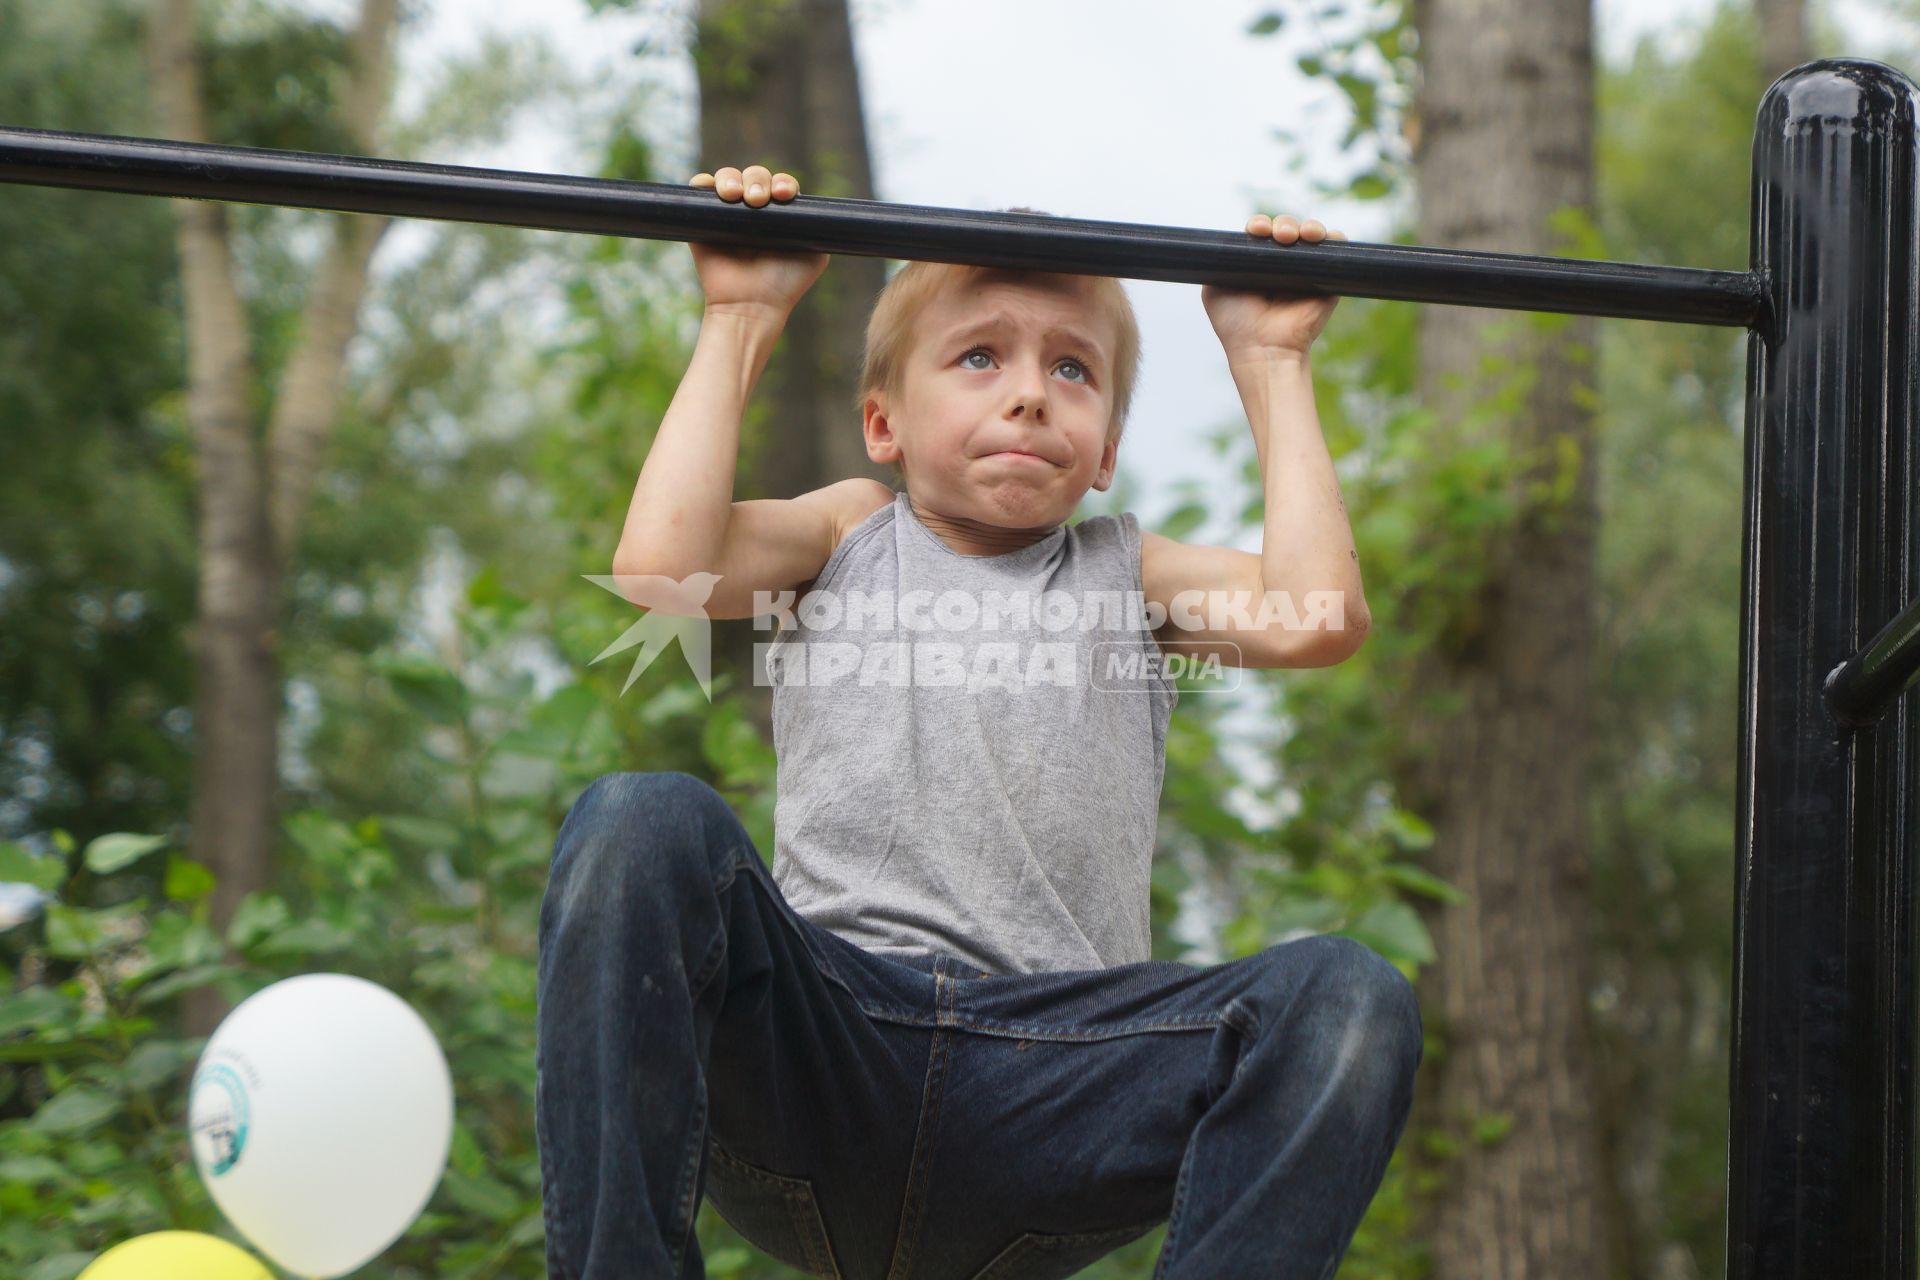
(1826, 1020)
(871, 228)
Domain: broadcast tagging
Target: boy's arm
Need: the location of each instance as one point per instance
(1299, 602)
(683, 520)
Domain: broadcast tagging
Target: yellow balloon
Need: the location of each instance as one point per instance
(176, 1255)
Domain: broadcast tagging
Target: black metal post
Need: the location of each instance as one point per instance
(1821, 1159)
(656, 211)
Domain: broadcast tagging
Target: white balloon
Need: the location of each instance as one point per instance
(321, 1113)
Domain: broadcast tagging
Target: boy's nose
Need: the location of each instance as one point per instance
(1030, 397)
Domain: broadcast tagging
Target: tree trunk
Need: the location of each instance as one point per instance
(309, 395)
(1505, 142)
(779, 87)
(250, 498)
(1785, 40)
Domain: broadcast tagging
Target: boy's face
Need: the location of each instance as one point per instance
(997, 366)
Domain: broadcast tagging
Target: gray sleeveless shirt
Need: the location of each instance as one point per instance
(971, 748)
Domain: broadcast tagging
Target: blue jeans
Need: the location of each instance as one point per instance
(911, 1118)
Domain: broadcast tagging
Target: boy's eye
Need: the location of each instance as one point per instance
(1081, 371)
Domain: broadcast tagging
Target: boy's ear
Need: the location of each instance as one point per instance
(883, 445)
(1109, 459)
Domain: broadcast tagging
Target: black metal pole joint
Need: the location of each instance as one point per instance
(1863, 688)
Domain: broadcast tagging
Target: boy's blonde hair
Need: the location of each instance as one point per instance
(917, 284)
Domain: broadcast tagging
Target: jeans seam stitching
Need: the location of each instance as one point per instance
(921, 1160)
(1180, 1184)
(1173, 1215)
(802, 1205)
(549, 1211)
(709, 970)
(1014, 1252)
(682, 1204)
(1032, 1031)
(811, 1223)
(710, 965)
(1042, 1242)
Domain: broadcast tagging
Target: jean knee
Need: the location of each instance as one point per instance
(638, 832)
(1379, 1005)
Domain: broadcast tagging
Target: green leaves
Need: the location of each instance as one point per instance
(72, 933)
(1492, 1127)
(176, 940)
(186, 880)
(20, 866)
(422, 833)
(1372, 184)
(75, 1111)
(257, 916)
(340, 854)
(59, 1266)
(1365, 51)
(112, 853)
(736, 748)
(1183, 520)
(1394, 930)
(425, 686)
(157, 1063)
(1419, 880)
(32, 1170)
(303, 938)
(556, 726)
(34, 1008)
(479, 1194)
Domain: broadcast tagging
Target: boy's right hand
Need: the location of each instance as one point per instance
(746, 280)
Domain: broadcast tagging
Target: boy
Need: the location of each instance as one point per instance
(932, 1043)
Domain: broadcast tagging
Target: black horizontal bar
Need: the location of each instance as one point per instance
(1862, 689)
(871, 228)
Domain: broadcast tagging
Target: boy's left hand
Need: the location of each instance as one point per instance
(1249, 323)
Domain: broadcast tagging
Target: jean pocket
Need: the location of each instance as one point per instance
(774, 1213)
(1037, 1255)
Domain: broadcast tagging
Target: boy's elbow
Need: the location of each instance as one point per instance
(630, 562)
(1354, 625)
(1331, 646)
(1358, 627)
(624, 553)
(627, 567)
(645, 583)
